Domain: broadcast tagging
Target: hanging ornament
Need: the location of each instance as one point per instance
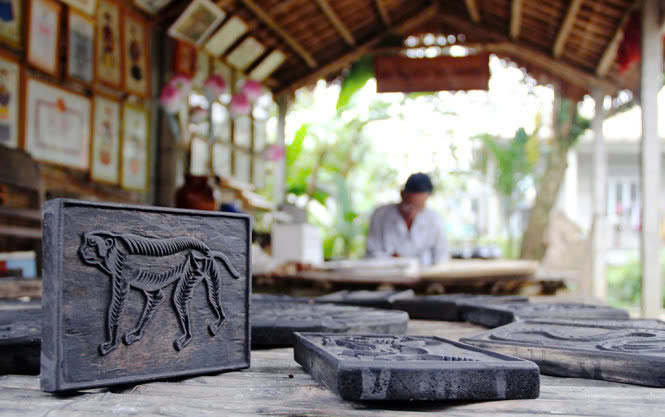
(240, 104)
(630, 48)
(214, 87)
(174, 94)
(253, 89)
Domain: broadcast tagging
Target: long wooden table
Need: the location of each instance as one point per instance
(276, 385)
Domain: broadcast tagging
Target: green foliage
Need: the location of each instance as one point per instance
(361, 72)
(624, 282)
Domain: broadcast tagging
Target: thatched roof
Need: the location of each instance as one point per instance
(572, 42)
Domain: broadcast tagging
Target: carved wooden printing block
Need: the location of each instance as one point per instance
(445, 307)
(375, 299)
(137, 293)
(629, 351)
(496, 315)
(385, 367)
(273, 323)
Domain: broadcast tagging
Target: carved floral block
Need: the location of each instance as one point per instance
(274, 322)
(134, 293)
(629, 351)
(445, 307)
(496, 315)
(375, 299)
(387, 367)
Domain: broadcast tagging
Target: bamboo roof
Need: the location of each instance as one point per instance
(571, 42)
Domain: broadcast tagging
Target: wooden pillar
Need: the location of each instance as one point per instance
(652, 58)
(599, 203)
(280, 166)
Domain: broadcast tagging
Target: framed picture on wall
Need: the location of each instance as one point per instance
(44, 36)
(135, 148)
(10, 22)
(136, 49)
(108, 56)
(105, 155)
(80, 47)
(197, 22)
(184, 58)
(10, 81)
(86, 6)
(57, 124)
(152, 6)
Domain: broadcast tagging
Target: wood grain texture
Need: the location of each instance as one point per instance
(136, 293)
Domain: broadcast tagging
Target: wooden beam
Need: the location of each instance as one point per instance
(610, 53)
(502, 45)
(270, 22)
(336, 22)
(401, 28)
(566, 27)
(516, 19)
(472, 7)
(383, 12)
(650, 167)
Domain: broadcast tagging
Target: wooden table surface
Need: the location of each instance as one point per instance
(276, 385)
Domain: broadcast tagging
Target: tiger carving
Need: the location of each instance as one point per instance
(111, 253)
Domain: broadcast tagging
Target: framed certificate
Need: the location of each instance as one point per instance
(135, 148)
(105, 155)
(44, 36)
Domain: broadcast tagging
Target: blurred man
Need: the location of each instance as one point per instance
(409, 229)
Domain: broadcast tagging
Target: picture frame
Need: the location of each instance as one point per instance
(226, 36)
(136, 47)
(197, 22)
(106, 139)
(80, 47)
(184, 58)
(44, 36)
(56, 124)
(152, 6)
(268, 65)
(245, 54)
(108, 44)
(86, 6)
(10, 97)
(135, 156)
(11, 30)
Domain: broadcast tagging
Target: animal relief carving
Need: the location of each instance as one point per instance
(112, 254)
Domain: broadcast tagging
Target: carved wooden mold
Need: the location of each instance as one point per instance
(445, 307)
(630, 351)
(496, 315)
(375, 299)
(273, 323)
(136, 293)
(387, 367)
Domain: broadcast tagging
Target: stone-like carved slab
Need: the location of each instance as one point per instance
(20, 335)
(446, 307)
(496, 315)
(629, 351)
(375, 299)
(386, 367)
(273, 323)
(136, 293)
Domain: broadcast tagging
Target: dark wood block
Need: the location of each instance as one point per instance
(629, 351)
(375, 299)
(496, 315)
(20, 336)
(279, 298)
(446, 307)
(273, 323)
(386, 367)
(137, 293)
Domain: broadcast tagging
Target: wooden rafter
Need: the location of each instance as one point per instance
(401, 28)
(472, 7)
(566, 28)
(336, 21)
(383, 12)
(610, 53)
(502, 45)
(270, 22)
(516, 19)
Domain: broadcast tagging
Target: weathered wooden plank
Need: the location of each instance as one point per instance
(107, 269)
(375, 299)
(445, 307)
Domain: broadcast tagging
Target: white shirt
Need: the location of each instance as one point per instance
(388, 235)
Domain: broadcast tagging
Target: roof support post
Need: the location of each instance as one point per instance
(599, 203)
(516, 19)
(280, 166)
(651, 74)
